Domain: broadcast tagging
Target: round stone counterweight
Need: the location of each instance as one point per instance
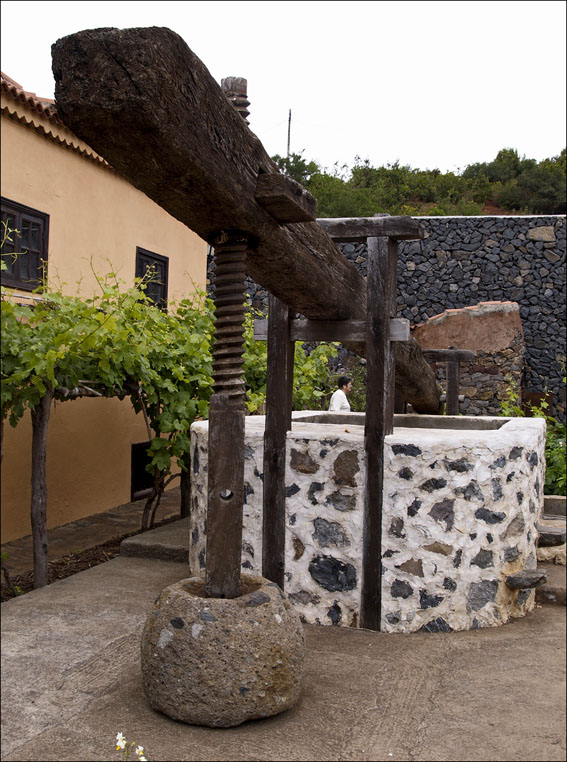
(222, 661)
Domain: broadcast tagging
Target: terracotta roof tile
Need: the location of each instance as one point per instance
(43, 106)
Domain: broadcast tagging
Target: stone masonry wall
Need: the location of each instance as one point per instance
(467, 260)
(460, 509)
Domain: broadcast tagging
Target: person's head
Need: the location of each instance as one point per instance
(345, 383)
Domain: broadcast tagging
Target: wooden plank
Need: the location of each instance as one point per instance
(350, 229)
(442, 355)
(279, 386)
(167, 127)
(225, 498)
(333, 330)
(379, 418)
(400, 329)
(285, 199)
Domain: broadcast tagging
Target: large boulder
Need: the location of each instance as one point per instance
(493, 330)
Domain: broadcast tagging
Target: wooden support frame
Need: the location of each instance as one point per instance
(379, 331)
(379, 421)
(279, 387)
(451, 357)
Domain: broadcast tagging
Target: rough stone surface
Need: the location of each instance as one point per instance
(446, 532)
(493, 330)
(220, 662)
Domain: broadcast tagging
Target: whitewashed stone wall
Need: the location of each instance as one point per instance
(460, 510)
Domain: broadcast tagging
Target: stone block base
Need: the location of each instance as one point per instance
(220, 662)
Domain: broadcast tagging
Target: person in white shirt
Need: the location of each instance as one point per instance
(339, 402)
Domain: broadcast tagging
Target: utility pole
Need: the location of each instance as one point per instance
(288, 132)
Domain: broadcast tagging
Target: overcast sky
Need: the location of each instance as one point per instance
(429, 84)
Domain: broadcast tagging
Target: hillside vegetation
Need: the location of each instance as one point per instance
(508, 184)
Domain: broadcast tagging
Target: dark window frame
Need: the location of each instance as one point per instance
(33, 263)
(142, 257)
(141, 481)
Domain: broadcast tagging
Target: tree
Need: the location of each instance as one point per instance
(297, 167)
(117, 343)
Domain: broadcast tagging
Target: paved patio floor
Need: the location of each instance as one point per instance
(71, 681)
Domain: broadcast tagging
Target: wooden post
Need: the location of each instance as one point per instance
(451, 357)
(279, 387)
(381, 301)
(452, 379)
(226, 423)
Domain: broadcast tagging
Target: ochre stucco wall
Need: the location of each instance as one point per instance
(95, 217)
(88, 463)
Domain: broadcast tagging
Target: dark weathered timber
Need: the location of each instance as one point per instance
(451, 357)
(279, 385)
(379, 421)
(40, 419)
(317, 330)
(225, 498)
(332, 330)
(144, 101)
(347, 229)
(285, 199)
(452, 379)
(442, 355)
(226, 423)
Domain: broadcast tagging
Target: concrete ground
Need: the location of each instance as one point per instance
(71, 672)
(71, 681)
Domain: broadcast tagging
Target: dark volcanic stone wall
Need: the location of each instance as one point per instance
(467, 260)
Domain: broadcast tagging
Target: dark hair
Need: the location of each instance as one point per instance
(343, 381)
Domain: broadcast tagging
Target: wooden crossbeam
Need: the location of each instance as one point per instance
(285, 199)
(349, 229)
(332, 330)
(445, 355)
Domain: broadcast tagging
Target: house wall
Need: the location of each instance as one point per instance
(96, 220)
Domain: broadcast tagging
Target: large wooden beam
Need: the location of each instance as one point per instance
(144, 101)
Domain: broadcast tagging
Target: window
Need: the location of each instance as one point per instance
(156, 266)
(141, 482)
(28, 269)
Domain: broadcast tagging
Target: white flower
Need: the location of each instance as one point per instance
(143, 759)
(139, 750)
(120, 741)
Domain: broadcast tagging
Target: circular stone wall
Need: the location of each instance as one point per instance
(220, 662)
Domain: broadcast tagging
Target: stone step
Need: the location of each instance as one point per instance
(550, 536)
(526, 578)
(553, 590)
(169, 542)
(554, 506)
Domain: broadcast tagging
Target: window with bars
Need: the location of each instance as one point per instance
(155, 268)
(25, 255)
